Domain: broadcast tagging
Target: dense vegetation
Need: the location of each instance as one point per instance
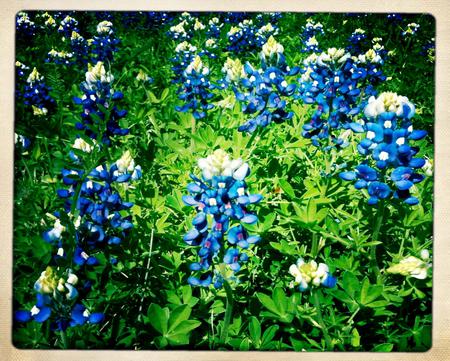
(212, 181)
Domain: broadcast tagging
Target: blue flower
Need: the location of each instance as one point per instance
(266, 91)
(220, 197)
(36, 94)
(196, 89)
(104, 44)
(100, 117)
(80, 315)
(386, 144)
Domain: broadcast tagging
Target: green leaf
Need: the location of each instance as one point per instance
(254, 328)
(364, 290)
(185, 326)
(287, 188)
(280, 299)
(158, 318)
(376, 304)
(374, 293)
(384, 347)
(178, 315)
(356, 338)
(245, 345)
(268, 335)
(311, 211)
(267, 303)
(342, 296)
(350, 283)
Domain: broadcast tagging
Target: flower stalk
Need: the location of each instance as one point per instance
(328, 343)
(375, 236)
(228, 313)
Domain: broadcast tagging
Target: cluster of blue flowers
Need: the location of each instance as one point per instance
(96, 219)
(104, 44)
(98, 106)
(184, 30)
(220, 197)
(184, 54)
(357, 42)
(389, 130)
(96, 210)
(79, 47)
(100, 208)
(309, 36)
(411, 29)
(57, 296)
(20, 78)
(25, 28)
(248, 36)
(266, 90)
(334, 80)
(37, 94)
(67, 26)
(214, 28)
(196, 89)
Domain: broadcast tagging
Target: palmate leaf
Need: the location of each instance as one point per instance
(158, 318)
(174, 326)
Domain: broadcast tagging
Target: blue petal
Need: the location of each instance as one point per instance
(191, 235)
(404, 184)
(330, 281)
(255, 198)
(195, 266)
(417, 162)
(249, 219)
(417, 134)
(194, 188)
(360, 184)
(372, 200)
(193, 281)
(253, 239)
(411, 201)
(348, 176)
(235, 266)
(356, 127)
(96, 317)
(43, 314)
(22, 316)
(189, 200)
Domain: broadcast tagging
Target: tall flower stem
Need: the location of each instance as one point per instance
(63, 340)
(329, 345)
(376, 233)
(314, 246)
(193, 128)
(228, 312)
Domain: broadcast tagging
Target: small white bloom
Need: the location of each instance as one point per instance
(104, 27)
(400, 141)
(60, 252)
(384, 155)
(272, 47)
(424, 254)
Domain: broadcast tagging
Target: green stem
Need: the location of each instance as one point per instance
(192, 131)
(329, 345)
(228, 313)
(63, 340)
(375, 236)
(314, 245)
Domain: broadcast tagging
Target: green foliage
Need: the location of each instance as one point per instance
(307, 210)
